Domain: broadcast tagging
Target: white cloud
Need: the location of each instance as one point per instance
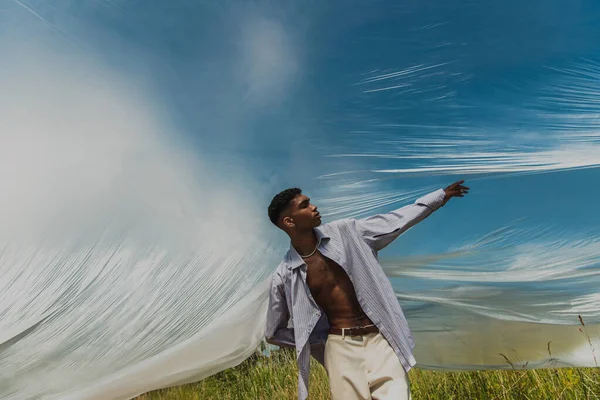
(269, 59)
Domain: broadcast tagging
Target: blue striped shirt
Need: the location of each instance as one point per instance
(295, 320)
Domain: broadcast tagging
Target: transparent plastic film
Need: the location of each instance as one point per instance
(141, 143)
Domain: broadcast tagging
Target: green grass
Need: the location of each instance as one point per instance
(276, 378)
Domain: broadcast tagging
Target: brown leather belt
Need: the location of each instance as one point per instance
(354, 331)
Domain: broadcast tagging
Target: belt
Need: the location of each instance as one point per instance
(354, 331)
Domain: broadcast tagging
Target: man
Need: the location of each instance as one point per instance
(341, 304)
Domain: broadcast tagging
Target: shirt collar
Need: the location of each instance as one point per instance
(294, 260)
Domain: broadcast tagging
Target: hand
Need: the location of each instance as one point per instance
(455, 190)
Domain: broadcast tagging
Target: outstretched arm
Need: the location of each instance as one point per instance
(277, 331)
(381, 229)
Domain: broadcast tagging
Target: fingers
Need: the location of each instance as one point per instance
(459, 185)
(457, 189)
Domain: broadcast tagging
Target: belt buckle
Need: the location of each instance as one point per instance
(354, 331)
(350, 332)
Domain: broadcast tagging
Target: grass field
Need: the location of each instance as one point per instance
(275, 377)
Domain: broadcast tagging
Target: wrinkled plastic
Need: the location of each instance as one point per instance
(142, 142)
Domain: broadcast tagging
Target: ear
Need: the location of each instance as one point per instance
(288, 222)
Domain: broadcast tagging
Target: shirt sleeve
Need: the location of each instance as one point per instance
(277, 331)
(380, 230)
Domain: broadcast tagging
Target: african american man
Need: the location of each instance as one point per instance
(331, 299)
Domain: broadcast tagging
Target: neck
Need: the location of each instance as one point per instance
(304, 241)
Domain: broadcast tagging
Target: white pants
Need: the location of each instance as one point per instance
(364, 367)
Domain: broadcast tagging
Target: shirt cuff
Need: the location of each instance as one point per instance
(433, 200)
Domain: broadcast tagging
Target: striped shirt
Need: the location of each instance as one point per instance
(295, 320)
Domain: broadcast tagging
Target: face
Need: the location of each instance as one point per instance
(301, 214)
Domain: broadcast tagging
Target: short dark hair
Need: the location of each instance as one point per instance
(280, 202)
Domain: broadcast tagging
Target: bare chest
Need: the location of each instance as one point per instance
(324, 274)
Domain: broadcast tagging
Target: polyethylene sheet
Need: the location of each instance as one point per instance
(142, 142)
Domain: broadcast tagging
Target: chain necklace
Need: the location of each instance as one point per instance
(313, 252)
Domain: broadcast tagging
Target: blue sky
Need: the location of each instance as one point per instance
(183, 118)
(388, 98)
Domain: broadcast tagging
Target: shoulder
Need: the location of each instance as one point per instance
(340, 226)
(282, 268)
(279, 277)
